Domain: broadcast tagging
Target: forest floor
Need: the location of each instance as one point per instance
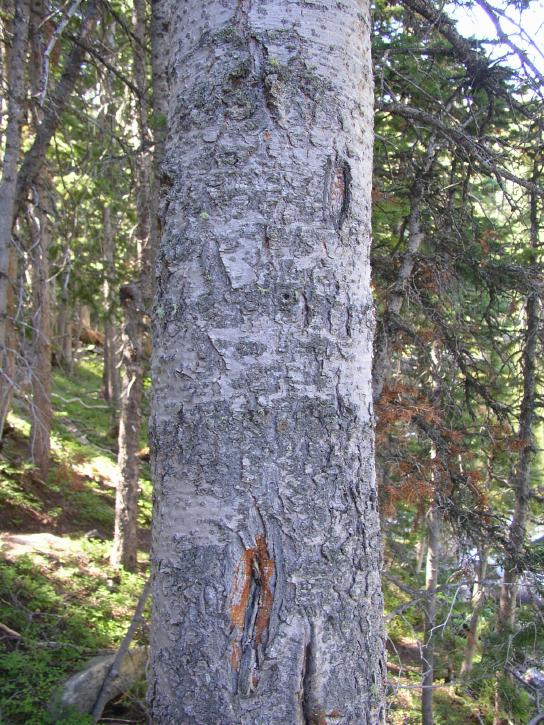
(57, 590)
(61, 603)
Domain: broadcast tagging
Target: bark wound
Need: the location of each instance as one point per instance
(251, 603)
(337, 191)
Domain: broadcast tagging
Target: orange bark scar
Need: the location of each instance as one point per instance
(241, 589)
(266, 569)
(255, 565)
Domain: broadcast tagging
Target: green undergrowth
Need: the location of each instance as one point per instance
(57, 591)
(66, 609)
(79, 493)
(456, 699)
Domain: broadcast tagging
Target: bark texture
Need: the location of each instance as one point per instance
(8, 186)
(266, 549)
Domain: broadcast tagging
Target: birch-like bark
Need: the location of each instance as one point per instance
(8, 186)
(522, 478)
(266, 546)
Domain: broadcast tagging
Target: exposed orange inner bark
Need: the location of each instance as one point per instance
(241, 589)
(255, 564)
(266, 568)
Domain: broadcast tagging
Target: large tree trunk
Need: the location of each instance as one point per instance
(8, 186)
(266, 546)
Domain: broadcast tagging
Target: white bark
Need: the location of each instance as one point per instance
(266, 552)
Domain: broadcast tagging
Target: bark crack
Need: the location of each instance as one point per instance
(250, 609)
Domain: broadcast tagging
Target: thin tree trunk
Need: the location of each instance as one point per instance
(382, 360)
(478, 601)
(41, 411)
(13, 196)
(54, 106)
(522, 479)
(8, 371)
(266, 546)
(421, 552)
(8, 186)
(125, 544)
(434, 520)
(111, 370)
(431, 582)
(65, 325)
(124, 552)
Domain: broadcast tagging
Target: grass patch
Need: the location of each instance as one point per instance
(66, 610)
